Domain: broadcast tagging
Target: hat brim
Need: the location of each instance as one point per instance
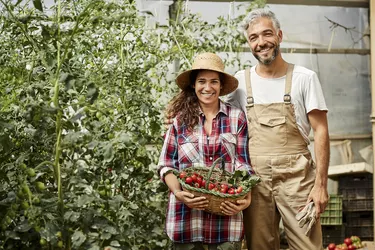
(229, 84)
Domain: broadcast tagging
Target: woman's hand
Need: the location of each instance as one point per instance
(229, 208)
(199, 203)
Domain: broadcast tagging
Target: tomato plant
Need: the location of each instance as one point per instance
(82, 87)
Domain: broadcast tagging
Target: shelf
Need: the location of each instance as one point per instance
(353, 168)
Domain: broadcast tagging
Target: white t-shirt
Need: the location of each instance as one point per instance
(306, 94)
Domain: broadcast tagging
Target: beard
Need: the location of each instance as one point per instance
(268, 61)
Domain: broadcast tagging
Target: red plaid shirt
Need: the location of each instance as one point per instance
(183, 148)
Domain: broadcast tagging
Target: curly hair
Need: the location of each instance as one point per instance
(185, 105)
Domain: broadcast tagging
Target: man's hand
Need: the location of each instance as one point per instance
(189, 200)
(319, 196)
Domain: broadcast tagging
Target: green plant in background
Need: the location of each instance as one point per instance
(82, 89)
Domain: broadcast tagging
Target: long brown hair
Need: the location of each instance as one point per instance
(185, 105)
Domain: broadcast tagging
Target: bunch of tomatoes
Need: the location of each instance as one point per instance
(350, 243)
(197, 180)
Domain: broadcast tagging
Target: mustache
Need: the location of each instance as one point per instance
(260, 48)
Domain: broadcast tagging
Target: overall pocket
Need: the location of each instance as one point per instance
(272, 131)
(301, 180)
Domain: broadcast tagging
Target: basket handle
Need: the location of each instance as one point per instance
(212, 168)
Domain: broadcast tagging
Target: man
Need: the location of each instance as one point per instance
(283, 102)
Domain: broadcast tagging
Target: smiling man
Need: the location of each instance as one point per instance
(283, 102)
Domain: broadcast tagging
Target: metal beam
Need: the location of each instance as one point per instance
(336, 3)
(326, 51)
(372, 73)
(316, 51)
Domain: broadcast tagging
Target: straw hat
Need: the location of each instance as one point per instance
(208, 61)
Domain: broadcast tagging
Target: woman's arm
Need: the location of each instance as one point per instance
(168, 160)
(199, 203)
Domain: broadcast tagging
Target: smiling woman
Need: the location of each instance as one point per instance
(207, 88)
(204, 129)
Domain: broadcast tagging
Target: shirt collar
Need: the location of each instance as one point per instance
(223, 109)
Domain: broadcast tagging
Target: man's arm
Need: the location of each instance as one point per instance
(238, 97)
(319, 124)
(234, 98)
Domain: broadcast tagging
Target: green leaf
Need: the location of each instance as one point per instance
(133, 206)
(38, 5)
(71, 216)
(24, 227)
(108, 153)
(115, 243)
(77, 239)
(94, 248)
(84, 200)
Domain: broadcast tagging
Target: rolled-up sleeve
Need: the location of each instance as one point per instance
(168, 160)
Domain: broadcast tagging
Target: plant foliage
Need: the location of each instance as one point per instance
(82, 88)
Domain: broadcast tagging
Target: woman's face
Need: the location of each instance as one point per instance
(207, 87)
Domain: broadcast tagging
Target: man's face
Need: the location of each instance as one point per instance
(264, 40)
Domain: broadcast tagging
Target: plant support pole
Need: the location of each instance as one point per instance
(372, 73)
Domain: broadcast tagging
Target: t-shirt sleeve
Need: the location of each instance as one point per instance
(314, 97)
(238, 97)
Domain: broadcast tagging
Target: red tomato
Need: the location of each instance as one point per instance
(351, 247)
(188, 180)
(199, 180)
(203, 183)
(197, 185)
(231, 191)
(194, 178)
(223, 188)
(183, 174)
(211, 186)
(348, 241)
(239, 190)
(331, 246)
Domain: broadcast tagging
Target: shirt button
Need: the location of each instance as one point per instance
(210, 158)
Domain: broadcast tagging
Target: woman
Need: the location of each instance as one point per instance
(204, 129)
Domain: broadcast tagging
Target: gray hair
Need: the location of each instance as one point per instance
(258, 13)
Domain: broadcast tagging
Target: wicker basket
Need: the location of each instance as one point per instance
(215, 198)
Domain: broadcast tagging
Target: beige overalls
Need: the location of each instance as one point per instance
(279, 155)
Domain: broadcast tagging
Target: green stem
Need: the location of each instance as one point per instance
(57, 167)
(122, 64)
(60, 61)
(45, 163)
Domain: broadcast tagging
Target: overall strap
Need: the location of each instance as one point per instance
(249, 90)
(288, 83)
